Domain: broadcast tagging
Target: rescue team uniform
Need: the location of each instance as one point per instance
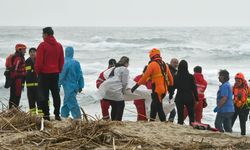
(201, 85)
(32, 87)
(16, 67)
(49, 63)
(161, 77)
(140, 103)
(104, 103)
(240, 94)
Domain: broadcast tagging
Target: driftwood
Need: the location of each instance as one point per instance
(87, 133)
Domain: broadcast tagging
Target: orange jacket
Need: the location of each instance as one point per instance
(154, 73)
(240, 94)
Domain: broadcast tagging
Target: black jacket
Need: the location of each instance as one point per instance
(186, 89)
(171, 88)
(31, 76)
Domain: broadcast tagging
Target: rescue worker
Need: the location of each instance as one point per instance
(201, 85)
(17, 74)
(161, 77)
(31, 83)
(186, 92)
(140, 103)
(240, 95)
(173, 69)
(115, 86)
(104, 103)
(225, 106)
(49, 63)
(72, 81)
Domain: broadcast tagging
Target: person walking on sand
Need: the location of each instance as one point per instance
(104, 103)
(72, 81)
(240, 95)
(115, 86)
(187, 94)
(161, 77)
(225, 106)
(49, 63)
(173, 69)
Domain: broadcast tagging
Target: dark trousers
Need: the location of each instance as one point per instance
(243, 114)
(180, 111)
(117, 108)
(156, 107)
(32, 94)
(46, 83)
(15, 93)
(172, 115)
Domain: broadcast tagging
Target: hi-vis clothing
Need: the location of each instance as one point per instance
(159, 84)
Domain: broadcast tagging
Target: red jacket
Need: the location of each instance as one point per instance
(100, 79)
(201, 84)
(19, 66)
(49, 56)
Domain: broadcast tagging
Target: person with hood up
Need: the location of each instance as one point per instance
(187, 94)
(225, 106)
(72, 81)
(17, 73)
(48, 65)
(115, 86)
(105, 104)
(240, 94)
(161, 78)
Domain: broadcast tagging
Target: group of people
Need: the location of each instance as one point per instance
(162, 78)
(45, 70)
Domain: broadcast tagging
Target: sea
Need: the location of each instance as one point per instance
(212, 48)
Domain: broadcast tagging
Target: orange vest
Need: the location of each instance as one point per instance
(154, 73)
(240, 96)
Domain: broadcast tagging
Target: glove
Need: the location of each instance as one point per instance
(134, 88)
(80, 90)
(216, 109)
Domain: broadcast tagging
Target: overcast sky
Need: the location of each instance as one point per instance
(125, 12)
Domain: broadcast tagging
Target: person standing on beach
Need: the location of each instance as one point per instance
(115, 86)
(15, 68)
(225, 106)
(161, 77)
(201, 85)
(240, 94)
(31, 83)
(72, 81)
(104, 103)
(173, 69)
(187, 94)
(140, 103)
(49, 63)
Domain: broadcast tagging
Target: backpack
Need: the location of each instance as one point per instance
(9, 67)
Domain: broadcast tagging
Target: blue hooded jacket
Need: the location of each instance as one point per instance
(71, 77)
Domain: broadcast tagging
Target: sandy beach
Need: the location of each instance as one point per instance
(19, 130)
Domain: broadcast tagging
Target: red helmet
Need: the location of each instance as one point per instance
(20, 47)
(239, 76)
(153, 52)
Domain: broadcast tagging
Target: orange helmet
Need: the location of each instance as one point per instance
(20, 46)
(153, 52)
(239, 76)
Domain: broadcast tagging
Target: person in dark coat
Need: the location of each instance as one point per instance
(187, 93)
